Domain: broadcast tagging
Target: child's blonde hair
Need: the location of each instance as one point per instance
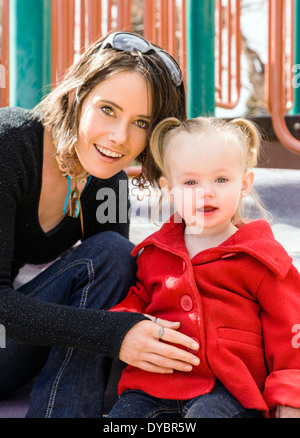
(243, 130)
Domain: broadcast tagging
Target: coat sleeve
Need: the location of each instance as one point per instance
(139, 295)
(280, 316)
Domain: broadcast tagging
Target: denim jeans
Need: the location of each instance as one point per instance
(217, 404)
(70, 382)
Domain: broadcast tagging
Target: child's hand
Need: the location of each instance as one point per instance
(287, 412)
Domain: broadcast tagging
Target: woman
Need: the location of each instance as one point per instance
(54, 163)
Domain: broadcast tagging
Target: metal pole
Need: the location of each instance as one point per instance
(30, 34)
(201, 57)
(296, 108)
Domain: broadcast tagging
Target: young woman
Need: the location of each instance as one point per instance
(227, 280)
(54, 162)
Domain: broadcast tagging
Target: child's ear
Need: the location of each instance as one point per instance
(247, 184)
(164, 186)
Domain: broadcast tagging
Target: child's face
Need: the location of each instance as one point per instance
(206, 178)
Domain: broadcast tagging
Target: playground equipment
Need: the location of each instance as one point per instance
(40, 39)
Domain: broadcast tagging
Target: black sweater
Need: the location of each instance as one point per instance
(22, 241)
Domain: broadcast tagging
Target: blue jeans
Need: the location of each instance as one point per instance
(217, 404)
(70, 382)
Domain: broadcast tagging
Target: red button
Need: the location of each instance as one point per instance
(186, 303)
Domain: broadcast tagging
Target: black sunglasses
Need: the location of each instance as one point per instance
(130, 42)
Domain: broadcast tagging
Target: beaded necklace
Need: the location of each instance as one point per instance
(72, 205)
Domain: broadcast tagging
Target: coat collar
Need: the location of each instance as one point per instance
(255, 238)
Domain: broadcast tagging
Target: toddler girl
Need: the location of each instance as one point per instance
(231, 285)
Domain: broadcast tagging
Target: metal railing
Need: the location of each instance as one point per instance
(278, 79)
(76, 23)
(4, 58)
(162, 23)
(228, 53)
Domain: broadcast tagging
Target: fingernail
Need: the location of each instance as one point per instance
(195, 346)
(188, 368)
(196, 361)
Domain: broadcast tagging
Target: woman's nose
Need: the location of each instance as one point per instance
(119, 133)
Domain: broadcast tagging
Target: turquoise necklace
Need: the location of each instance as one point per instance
(72, 200)
(72, 205)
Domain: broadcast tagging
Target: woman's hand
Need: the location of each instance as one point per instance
(141, 347)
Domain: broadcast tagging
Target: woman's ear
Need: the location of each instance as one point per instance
(164, 186)
(247, 183)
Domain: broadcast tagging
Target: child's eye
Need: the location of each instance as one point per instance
(190, 183)
(142, 124)
(221, 180)
(107, 110)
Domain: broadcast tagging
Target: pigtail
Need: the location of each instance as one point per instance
(157, 140)
(253, 140)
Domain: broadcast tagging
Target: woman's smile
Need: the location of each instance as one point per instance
(107, 154)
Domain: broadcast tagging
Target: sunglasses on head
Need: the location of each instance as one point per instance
(130, 42)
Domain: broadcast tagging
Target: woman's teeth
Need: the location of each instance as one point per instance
(107, 152)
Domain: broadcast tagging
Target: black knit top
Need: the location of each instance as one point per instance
(22, 241)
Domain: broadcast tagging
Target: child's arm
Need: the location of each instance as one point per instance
(139, 296)
(279, 299)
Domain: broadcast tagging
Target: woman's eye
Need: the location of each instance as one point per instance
(221, 180)
(142, 124)
(107, 110)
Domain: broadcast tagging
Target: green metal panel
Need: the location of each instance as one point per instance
(30, 34)
(201, 57)
(296, 109)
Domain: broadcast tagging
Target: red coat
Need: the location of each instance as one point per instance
(240, 300)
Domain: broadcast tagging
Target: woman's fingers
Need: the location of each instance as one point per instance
(151, 367)
(174, 337)
(142, 347)
(164, 323)
(180, 338)
(180, 357)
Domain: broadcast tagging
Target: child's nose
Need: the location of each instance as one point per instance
(205, 192)
(209, 193)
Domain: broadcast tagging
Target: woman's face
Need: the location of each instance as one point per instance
(114, 124)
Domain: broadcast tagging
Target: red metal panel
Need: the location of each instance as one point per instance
(229, 72)
(276, 89)
(150, 20)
